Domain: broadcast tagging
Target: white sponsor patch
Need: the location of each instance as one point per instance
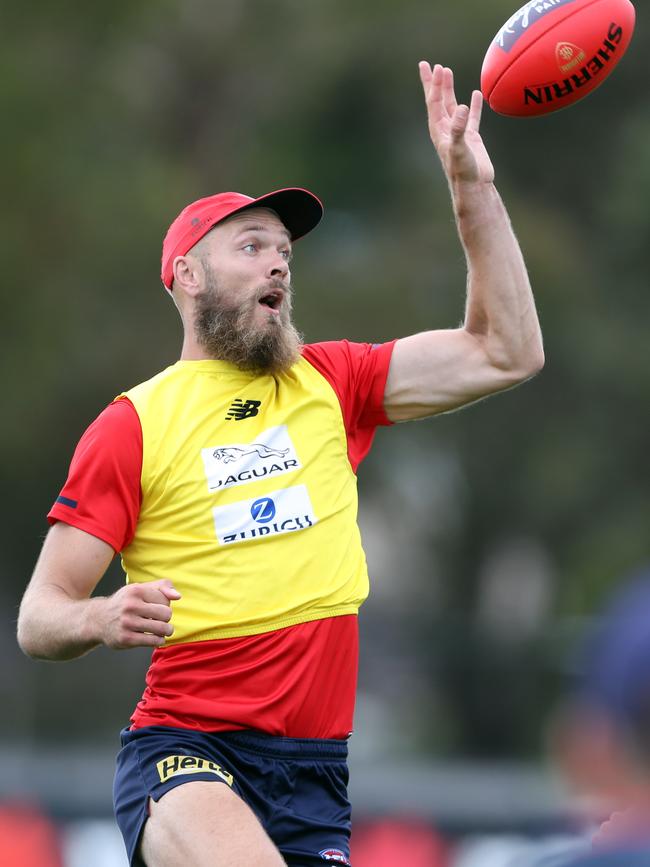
(271, 454)
(278, 512)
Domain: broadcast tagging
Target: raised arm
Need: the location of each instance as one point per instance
(58, 618)
(499, 344)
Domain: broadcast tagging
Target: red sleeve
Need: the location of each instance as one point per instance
(357, 372)
(102, 493)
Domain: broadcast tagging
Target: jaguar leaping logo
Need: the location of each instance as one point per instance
(229, 454)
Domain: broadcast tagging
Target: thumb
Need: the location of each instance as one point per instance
(459, 122)
(167, 589)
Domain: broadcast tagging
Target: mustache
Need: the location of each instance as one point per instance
(276, 283)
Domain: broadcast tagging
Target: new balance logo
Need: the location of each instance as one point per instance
(241, 409)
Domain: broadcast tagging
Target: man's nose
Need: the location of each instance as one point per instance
(278, 267)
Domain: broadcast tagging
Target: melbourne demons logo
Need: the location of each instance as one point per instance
(271, 454)
(334, 855)
(228, 454)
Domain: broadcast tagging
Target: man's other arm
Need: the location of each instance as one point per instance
(60, 620)
(499, 344)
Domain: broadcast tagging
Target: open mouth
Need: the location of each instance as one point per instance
(272, 300)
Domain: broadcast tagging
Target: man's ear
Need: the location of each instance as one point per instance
(188, 274)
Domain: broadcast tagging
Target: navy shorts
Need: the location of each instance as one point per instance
(296, 787)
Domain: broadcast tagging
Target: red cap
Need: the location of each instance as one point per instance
(299, 210)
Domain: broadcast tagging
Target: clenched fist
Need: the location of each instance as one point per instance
(138, 615)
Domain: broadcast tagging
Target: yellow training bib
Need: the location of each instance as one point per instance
(249, 502)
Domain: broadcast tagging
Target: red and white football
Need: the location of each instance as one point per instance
(551, 53)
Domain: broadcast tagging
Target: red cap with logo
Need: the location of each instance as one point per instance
(299, 210)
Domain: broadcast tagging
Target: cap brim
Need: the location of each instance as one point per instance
(299, 210)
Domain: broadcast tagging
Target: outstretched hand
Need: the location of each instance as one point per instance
(454, 128)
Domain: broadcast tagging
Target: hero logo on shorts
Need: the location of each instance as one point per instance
(334, 855)
(272, 453)
(278, 512)
(516, 26)
(177, 766)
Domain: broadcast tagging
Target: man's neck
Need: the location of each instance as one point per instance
(193, 351)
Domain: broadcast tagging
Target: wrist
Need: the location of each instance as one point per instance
(475, 202)
(474, 188)
(92, 629)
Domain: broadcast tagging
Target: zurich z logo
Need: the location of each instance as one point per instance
(263, 510)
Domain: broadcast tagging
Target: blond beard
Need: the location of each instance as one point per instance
(226, 332)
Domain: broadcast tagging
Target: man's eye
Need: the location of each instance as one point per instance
(286, 254)
(250, 248)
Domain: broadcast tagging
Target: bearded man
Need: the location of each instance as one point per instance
(228, 484)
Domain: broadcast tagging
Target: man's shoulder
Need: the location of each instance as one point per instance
(348, 352)
(136, 392)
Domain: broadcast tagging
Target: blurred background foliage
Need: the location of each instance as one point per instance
(492, 533)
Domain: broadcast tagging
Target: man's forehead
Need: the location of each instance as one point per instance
(255, 218)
